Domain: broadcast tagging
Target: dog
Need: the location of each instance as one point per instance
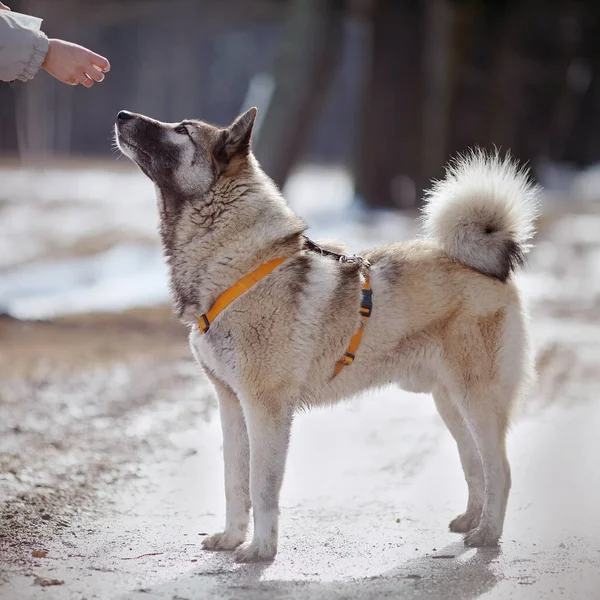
(440, 314)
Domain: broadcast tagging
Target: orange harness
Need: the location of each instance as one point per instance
(235, 291)
(366, 307)
(246, 282)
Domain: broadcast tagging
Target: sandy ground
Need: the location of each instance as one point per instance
(111, 474)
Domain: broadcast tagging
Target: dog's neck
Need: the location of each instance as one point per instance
(212, 242)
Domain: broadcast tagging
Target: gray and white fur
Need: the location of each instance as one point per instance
(447, 315)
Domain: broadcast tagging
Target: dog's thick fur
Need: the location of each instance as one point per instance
(447, 317)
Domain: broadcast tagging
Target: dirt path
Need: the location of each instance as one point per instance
(110, 473)
(85, 402)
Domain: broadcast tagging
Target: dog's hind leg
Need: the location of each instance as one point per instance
(469, 458)
(236, 458)
(269, 422)
(485, 412)
(499, 370)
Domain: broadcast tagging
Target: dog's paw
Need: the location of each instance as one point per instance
(222, 541)
(255, 552)
(464, 523)
(482, 536)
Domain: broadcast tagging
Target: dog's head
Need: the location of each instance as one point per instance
(184, 159)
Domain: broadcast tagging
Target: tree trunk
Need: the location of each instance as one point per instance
(437, 58)
(583, 143)
(308, 57)
(388, 170)
(9, 143)
(8, 129)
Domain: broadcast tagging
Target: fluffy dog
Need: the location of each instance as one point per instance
(447, 318)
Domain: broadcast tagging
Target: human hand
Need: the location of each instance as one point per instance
(74, 64)
(4, 7)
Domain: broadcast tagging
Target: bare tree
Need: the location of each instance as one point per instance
(388, 164)
(309, 54)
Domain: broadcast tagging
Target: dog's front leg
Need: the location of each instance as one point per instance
(269, 423)
(236, 457)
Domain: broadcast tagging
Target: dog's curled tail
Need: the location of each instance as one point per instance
(483, 213)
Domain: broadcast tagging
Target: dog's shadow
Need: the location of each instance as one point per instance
(452, 572)
(455, 571)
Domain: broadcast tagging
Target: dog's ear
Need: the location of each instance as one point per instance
(234, 141)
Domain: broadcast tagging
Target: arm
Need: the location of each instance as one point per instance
(22, 50)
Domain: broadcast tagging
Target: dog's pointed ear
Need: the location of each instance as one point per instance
(235, 139)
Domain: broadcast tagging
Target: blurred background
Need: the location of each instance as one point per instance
(361, 102)
(387, 88)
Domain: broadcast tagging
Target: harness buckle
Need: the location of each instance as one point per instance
(203, 323)
(363, 262)
(347, 359)
(366, 306)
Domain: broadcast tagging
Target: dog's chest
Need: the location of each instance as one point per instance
(214, 358)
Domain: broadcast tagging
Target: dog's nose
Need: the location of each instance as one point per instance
(124, 115)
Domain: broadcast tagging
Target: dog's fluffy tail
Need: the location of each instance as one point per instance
(483, 213)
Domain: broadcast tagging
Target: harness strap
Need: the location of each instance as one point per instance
(248, 281)
(235, 291)
(366, 307)
(343, 258)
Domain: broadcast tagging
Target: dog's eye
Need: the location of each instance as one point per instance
(181, 129)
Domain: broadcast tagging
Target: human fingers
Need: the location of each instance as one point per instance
(99, 61)
(94, 73)
(86, 81)
(79, 77)
(4, 7)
